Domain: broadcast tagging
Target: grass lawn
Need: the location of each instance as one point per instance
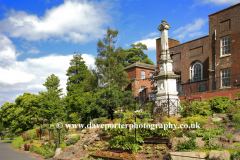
(7, 140)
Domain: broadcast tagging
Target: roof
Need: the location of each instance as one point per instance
(224, 9)
(189, 41)
(169, 38)
(142, 65)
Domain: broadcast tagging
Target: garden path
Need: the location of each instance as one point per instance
(8, 153)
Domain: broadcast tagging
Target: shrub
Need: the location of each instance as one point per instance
(10, 135)
(229, 136)
(62, 145)
(188, 145)
(28, 135)
(85, 142)
(27, 146)
(71, 141)
(195, 108)
(101, 120)
(126, 142)
(236, 119)
(220, 104)
(193, 120)
(192, 135)
(50, 155)
(216, 122)
(171, 120)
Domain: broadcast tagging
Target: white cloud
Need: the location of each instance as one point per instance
(153, 34)
(196, 34)
(221, 2)
(29, 75)
(33, 51)
(73, 21)
(189, 29)
(150, 42)
(7, 51)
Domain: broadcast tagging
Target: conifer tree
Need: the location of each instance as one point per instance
(109, 60)
(76, 72)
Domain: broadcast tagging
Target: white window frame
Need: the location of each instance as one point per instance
(225, 46)
(151, 74)
(193, 70)
(143, 74)
(225, 75)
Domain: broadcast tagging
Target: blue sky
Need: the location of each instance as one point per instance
(38, 38)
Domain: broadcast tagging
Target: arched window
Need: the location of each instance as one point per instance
(196, 71)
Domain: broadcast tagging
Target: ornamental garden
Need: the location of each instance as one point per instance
(218, 118)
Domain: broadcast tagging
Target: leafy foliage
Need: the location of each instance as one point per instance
(50, 102)
(71, 141)
(109, 61)
(126, 142)
(195, 108)
(76, 73)
(201, 120)
(186, 146)
(136, 54)
(220, 104)
(111, 99)
(17, 116)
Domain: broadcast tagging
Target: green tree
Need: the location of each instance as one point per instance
(109, 60)
(76, 73)
(50, 101)
(17, 116)
(113, 98)
(136, 54)
(52, 84)
(91, 80)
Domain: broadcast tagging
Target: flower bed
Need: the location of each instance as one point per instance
(120, 150)
(113, 156)
(156, 140)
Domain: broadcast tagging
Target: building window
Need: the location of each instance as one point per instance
(179, 78)
(202, 87)
(142, 74)
(225, 77)
(225, 45)
(196, 71)
(151, 74)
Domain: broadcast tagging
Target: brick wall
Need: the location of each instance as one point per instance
(187, 53)
(226, 23)
(210, 94)
(134, 74)
(171, 43)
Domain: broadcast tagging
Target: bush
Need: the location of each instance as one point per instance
(229, 136)
(220, 104)
(50, 155)
(126, 142)
(195, 108)
(10, 135)
(171, 120)
(62, 145)
(188, 145)
(71, 141)
(101, 120)
(192, 120)
(236, 119)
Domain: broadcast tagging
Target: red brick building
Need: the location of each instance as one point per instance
(139, 74)
(208, 66)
